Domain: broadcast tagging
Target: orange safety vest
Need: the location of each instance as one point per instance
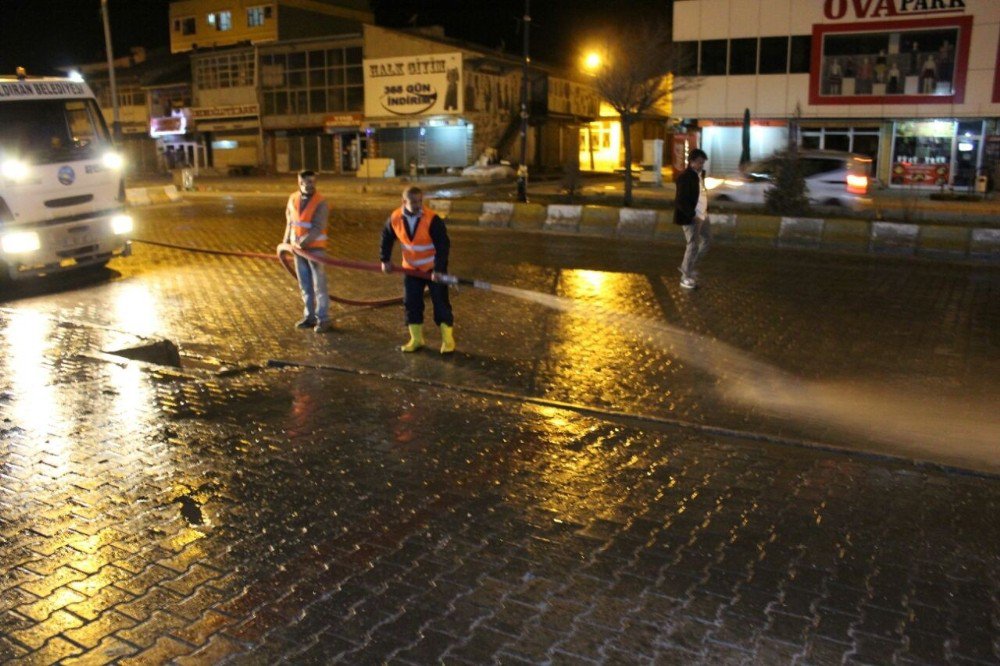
(418, 254)
(302, 223)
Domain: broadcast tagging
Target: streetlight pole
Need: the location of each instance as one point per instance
(522, 170)
(116, 124)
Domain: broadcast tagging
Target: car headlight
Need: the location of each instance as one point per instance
(712, 183)
(122, 224)
(15, 170)
(20, 242)
(113, 160)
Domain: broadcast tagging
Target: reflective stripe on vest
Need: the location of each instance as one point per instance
(418, 253)
(302, 222)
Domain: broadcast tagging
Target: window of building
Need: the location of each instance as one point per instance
(714, 54)
(257, 15)
(186, 25)
(221, 21)
(910, 62)
(743, 56)
(801, 54)
(231, 70)
(687, 58)
(773, 55)
(313, 81)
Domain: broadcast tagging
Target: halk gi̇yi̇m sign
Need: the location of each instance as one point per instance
(413, 85)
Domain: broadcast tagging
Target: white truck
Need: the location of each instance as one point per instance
(62, 193)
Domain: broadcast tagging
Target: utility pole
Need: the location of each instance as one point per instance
(522, 170)
(116, 126)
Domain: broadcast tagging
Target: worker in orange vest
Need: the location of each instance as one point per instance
(306, 215)
(425, 245)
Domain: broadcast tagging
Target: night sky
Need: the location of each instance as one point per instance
(45, 34)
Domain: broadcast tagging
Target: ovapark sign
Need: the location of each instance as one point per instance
(835, 10)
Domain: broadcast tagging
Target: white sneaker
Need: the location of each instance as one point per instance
(688, 283)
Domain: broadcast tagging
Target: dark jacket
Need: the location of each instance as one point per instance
(686, 199)
(439, 236)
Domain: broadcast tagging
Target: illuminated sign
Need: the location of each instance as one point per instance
(835, 10)
(413, 85)
(234, 111)
(167, 126)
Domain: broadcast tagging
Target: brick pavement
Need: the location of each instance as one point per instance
(152, 515)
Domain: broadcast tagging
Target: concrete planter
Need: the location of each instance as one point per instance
(637, 223)
(562, 217)
(496, 214)
(800, 231)
(894, 237)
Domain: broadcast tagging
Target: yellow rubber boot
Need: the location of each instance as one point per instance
(416, 338)
(447, 339)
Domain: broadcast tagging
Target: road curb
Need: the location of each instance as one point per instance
(835, 234)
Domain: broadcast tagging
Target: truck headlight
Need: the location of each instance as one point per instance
(15, 170)
(20, 242)
(121, 224)
(113, 160)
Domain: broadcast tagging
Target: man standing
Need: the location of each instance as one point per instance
(424, 241)
(691, 212)
(306, 215)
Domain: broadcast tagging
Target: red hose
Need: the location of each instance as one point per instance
(284, 256)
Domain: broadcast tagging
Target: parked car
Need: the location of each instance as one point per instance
(832, 179)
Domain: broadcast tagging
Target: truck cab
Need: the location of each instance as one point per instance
(62, 193)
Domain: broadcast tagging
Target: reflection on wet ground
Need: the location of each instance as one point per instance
(382, 512)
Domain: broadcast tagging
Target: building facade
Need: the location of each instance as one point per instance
(913, 84)
(201, 24)
(432, 102)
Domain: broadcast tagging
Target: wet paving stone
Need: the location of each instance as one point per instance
(371, 507)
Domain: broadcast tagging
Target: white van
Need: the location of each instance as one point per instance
(832, 178)
(62, 194)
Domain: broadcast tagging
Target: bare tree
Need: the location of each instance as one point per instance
(636, 76)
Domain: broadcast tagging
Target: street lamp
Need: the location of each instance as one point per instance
(116, 126)
(522, 169)
(592, 62)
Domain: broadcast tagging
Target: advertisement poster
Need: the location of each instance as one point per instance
(413, 86)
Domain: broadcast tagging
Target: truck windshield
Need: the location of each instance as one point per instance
(52, 130)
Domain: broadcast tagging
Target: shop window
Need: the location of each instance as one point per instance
(355, 75)
(296, 61)
(686, 55)
(811, 141)
(773, 55)
(743, 56)
(922, 153)
(713, 57)
(970, 128)
(799, 60)
(353, 55)
(908, 62)
(837, 142)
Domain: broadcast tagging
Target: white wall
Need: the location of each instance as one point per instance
(776, 95)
